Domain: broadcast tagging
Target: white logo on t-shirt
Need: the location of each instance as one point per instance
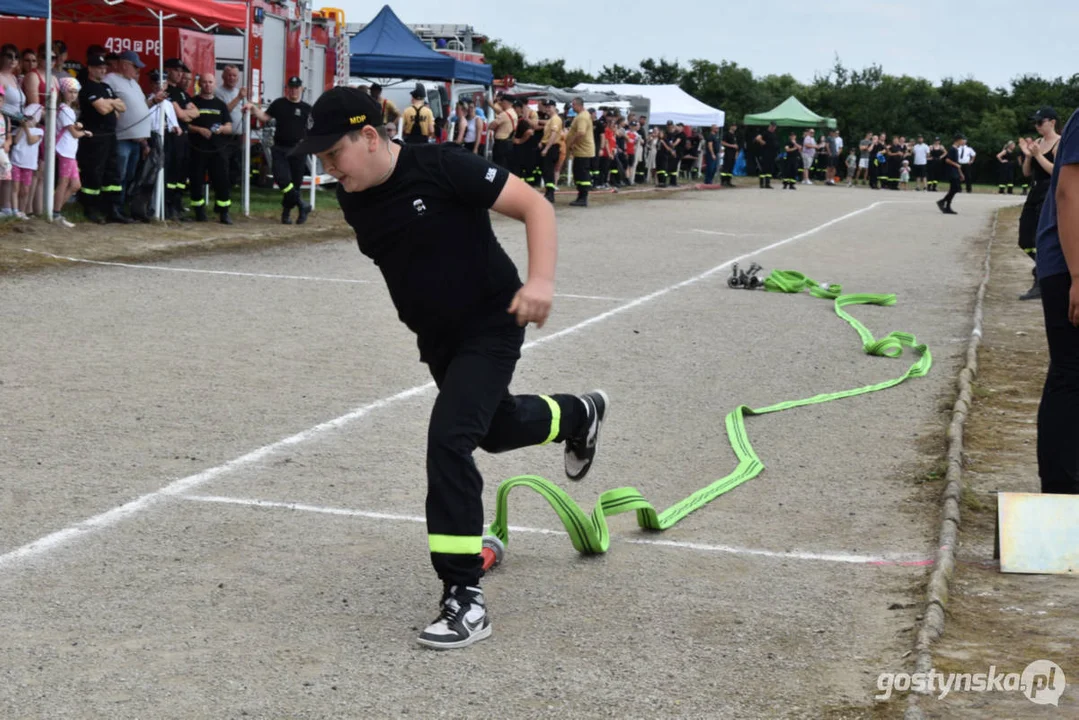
(491, 173)
(419, 206)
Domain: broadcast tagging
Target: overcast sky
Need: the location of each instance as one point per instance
(991, 40)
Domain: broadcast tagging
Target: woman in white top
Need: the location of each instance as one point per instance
(14, 100)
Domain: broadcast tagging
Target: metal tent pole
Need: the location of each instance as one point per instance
(50, 127)
(247, 115)
(159, 190)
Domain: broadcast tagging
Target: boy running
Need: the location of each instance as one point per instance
(421, 213)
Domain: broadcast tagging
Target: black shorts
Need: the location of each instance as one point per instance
(918, 171)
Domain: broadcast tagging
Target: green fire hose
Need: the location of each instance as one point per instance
(590, 534)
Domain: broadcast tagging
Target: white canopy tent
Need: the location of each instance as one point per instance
(669, 102)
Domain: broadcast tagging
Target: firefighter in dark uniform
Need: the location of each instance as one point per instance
(421, 212)
(877, 172)
(730, 155)
(675, 144)
(210, 132)
(534, 146)
(1006, 169)
(767, 149)
(895, 155)
(936, 165)
(177, 162)
(665, 152)
(290, 115)
(523, 162)
(96, 156)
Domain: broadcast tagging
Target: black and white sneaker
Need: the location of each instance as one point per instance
(463, 620)
(581, 450)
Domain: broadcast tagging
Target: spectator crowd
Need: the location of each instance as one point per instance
(115, 133)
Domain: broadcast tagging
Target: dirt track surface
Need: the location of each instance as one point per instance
(244, 576)
(994, 619)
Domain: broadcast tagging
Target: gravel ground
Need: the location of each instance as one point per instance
(126, 381)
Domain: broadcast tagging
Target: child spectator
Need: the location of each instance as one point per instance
(904, 175)
(24, 157)
(852, 167)
(67, 146)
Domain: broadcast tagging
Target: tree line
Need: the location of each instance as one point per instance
(860, 100)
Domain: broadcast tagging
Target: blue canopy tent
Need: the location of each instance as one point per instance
(387, 48)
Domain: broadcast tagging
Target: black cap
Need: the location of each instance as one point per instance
(174, 64)
(1045, 113)
(294, 81)
(96, 61)
(959, 136)
(336, 113)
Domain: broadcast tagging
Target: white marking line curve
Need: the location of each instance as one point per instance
(235, 273)
(111, 517)
(164, 268)
(851, 558)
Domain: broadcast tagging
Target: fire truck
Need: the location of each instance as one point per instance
(289, 38)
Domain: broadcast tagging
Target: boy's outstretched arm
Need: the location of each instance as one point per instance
(532, 303)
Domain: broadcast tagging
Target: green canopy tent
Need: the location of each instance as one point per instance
(790, 113)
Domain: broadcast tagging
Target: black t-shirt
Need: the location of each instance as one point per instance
(716, 148)
(935, 154)
(770, 141)
(689, 146)
(291, 120)
(428, 230)
(598, 131)
(90, 118)
(179, 96)
(953, 155)
(212, 111)
(728, 137)
(896, 155)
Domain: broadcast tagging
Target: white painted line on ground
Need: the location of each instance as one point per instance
(699, 231)
(196, 270)
(590, 297)
(134, 266)
(876, 560)
(111, 517)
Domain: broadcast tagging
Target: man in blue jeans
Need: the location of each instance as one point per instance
(1058, 276)
(132, 128)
